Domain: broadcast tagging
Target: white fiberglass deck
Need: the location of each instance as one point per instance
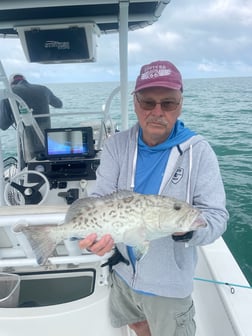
(220, 309)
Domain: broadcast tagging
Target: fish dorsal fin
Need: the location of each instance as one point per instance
(125, 193)
(87, 203)
(120, 194)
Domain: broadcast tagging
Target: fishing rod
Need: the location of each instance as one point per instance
(232, 285)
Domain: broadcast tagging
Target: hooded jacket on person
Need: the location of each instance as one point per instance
(191, 174)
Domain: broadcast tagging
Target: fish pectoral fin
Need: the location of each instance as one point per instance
(134, 237)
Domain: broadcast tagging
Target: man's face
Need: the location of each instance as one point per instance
(157, 110)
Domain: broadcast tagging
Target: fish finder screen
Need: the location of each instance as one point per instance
(69, 142)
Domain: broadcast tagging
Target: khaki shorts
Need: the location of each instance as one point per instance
(165, 316)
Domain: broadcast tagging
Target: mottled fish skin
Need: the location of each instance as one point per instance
(129, 217)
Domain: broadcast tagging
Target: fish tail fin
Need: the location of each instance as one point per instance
(41, 239)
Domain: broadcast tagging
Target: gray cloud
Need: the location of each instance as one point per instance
(210, 38)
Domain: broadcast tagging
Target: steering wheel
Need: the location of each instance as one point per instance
(21, 191)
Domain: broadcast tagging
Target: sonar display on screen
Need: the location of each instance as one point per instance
(69, 142)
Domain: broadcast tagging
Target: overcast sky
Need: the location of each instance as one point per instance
(203, 38)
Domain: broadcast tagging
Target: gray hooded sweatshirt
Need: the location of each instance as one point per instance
(192, 174)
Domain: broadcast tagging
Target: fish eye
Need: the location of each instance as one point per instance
(177, 206)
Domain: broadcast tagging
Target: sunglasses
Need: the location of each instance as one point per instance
(149, 104)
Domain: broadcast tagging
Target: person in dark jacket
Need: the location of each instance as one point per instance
(38, 98)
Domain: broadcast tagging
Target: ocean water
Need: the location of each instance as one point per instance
(220, 109)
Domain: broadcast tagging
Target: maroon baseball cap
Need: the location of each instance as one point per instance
(15, 78)
(159, 73)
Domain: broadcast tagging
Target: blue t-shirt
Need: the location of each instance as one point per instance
(151, 164)
(151, 161)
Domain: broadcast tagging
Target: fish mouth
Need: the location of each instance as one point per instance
(198, 222)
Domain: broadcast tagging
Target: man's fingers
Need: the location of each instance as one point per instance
(100, 247)
(88, 241)
(104, 245)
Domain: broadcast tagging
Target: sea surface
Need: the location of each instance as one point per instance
(220, 109)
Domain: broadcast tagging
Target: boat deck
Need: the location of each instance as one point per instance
(220, 309)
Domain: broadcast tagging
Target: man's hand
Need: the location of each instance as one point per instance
(99, 247)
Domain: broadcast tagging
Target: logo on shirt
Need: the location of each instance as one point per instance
(178, 175)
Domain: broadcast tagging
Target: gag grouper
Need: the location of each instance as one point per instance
(129, 217)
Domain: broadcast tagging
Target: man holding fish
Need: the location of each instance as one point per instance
(151, 290)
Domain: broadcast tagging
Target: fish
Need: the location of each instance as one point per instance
(129, 217)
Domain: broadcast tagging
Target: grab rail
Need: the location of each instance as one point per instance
(25, 262)
(15, 250)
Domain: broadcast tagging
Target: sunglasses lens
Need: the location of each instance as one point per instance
(148, 104)
(168, 106)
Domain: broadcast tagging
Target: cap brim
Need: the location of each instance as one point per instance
(174, 86)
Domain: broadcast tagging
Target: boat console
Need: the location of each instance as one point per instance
(62, 173)
(69, 155)
(59, 171)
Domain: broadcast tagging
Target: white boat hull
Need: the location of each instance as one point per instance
(220, 309)
(88, 316)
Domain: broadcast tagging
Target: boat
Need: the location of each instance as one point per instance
(69, 296)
